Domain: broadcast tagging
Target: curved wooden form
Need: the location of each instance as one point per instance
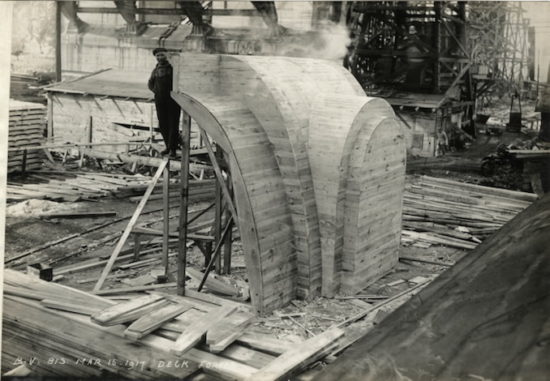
(264, 219)
(279, 120)
(373, 206)
(336, 124)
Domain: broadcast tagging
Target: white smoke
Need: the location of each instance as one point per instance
(328, 42)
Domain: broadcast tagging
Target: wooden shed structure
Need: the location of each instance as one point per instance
(106, 106)
(433, 123)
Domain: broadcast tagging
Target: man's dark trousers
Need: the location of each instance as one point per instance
(168, 113)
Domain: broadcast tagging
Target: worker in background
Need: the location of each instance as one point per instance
(416, 52)
(168, 111)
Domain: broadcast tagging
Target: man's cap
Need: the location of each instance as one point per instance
(158, 50)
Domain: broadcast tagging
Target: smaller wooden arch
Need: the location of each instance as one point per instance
(264, 220)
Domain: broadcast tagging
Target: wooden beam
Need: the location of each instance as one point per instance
(170, 11)
(130, 226)
(229, 329)
(215, 254)
(214, 284)
(299, 356)
(195, 332)
(218, 214)
(75, 145)
(219, 175)
(184, 202)
(458, 42)
(58, 6)
(458, 78)
(166, 217)
(49, 134)
(153, 320)
(122, 312)
(142, 160)
(125, 290)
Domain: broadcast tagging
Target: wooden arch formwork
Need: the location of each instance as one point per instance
(317, 168)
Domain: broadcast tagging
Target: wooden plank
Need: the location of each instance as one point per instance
(227, 331)
(247, 356)
(166, 217)
(213, 283)
(298, 357)
(184, 203)
(113, 313)
(130, 226)
(70, 307)
(80, 214)
(195, 332)
(219, 175)
(153, 320)
(124, 290)
(265, 343)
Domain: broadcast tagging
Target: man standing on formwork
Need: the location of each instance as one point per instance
(168, 111)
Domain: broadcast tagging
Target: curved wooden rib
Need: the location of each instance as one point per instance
(335, 125)
(374, 196)
(264, 218)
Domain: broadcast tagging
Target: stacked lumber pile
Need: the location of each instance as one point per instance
(27, 124)
(74, 186)
(149, 337)
(71, 186)
(450, 213)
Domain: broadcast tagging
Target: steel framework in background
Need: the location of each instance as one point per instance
(380, 49)
(466, 42)
(501, 54)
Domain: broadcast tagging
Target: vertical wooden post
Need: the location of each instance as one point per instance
(218, 214)
(152, 121)
(165, 216)
(437, 47)
(91, 129)
(137, 245)
(50, 117)
(58, 6)
(184, 200)
(229, 238)
(141, 16)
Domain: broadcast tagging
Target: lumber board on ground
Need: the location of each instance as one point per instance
(227, 331)
(154, 319)
(195, 332)
(303, 354)
(112, 314)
